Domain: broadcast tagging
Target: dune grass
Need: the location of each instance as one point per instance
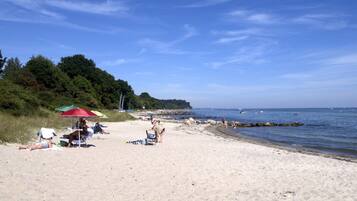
(115, 116)
(23, 129)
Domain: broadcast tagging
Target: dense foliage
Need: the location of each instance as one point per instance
(74, 80)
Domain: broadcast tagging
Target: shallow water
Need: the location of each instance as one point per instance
(327, 130)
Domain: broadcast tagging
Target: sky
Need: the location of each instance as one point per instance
(212, 53)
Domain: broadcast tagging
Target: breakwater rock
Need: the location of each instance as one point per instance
(237, 124)
(264, 124)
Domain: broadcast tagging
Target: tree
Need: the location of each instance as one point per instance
(12, 69)
(49, 77)
(2, 63)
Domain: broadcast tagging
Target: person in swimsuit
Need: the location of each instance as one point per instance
(45, 144)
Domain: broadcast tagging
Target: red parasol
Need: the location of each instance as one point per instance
(78, 112)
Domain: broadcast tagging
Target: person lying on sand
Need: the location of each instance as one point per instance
(44, 144)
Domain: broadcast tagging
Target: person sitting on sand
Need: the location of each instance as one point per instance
(158, 131)
(82, 128)
(98, 128)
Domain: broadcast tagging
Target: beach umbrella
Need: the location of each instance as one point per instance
(65, 108)
(99, 114)
(78, 113)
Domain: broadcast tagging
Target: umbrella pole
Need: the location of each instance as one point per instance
(79, 137)
(79, 134)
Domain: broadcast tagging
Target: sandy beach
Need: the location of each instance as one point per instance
(191, 164)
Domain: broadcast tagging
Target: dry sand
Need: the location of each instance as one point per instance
(191, 164)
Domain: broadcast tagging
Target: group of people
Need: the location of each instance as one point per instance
(82, 131)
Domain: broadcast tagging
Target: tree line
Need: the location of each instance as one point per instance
(24, 88)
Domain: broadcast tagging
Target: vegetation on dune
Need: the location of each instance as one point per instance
(24, 128)
(115, 116)
(30, 92)
(74, 80)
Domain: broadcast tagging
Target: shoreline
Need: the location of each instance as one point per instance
(191, 164)
(222, 132)
(169, 116)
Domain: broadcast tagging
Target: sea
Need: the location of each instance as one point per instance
(325, 130)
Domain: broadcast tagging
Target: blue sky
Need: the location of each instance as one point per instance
(213, 53)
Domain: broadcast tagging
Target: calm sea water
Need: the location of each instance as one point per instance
(327, 130)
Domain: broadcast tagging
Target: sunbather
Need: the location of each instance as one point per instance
(44, 144)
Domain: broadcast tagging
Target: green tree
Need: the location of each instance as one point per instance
(2, 63)
(12, 68)
(49, 77)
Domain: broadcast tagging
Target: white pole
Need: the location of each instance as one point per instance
(122, 104)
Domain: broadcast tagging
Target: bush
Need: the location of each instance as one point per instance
(16, 100)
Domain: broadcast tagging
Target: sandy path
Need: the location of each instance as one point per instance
(191, 164)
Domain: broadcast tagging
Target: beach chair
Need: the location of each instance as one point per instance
(150, 138)
(83, 141)
(46, 133)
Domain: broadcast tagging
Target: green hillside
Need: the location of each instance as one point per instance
(40, 83)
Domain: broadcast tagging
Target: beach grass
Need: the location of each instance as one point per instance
(22, 129)
(115, 116)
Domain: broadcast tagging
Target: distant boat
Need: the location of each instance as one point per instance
(242, 112)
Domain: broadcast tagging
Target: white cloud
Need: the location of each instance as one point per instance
(205, 3)
(241, 32)
(231, 36)
(253, 17)
(144, 73)
(102, 8)
(116, 62)
(296, 76)
(323, 21)
(348, 59)
(245, 55)
(190, 31)
(37, 12)
(168, 47)
(231, 39)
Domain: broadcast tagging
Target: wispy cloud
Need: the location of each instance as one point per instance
(323, 21)
(348, 59)
(168, 47)
(253, 17)
(102, 8)
(38, 12)
(231, 39)
(246, 55)
(229, 36)
(116, 62)
(205, 3)
(297, 76)
(42, 6)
